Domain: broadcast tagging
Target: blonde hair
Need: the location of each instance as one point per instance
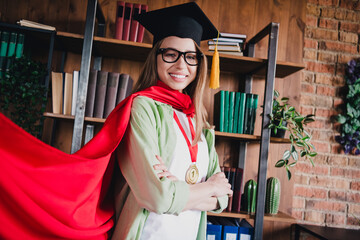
(148, 77)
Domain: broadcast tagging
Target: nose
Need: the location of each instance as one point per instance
(180, 63)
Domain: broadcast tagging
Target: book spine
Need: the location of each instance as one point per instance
(219, 98)
(134, 23)
(5, 36)
(68, 87)
(125, 81)
(226, 111)
(90, 97)
(236, 112)
(75, 91)
(20, 46)
(111, 91)
(241, 113)
(57, 92)
(231, 111)
(127, 21)
(232, 183)
(237, 190)
(140, 36)
(253, 111)
(100, 94)
(119, 21)
(248, 113)
(10, 52)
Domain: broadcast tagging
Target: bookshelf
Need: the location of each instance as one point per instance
(248, 66)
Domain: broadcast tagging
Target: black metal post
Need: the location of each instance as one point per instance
(84, 76)
(265, 132)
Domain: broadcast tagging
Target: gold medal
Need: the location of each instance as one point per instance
(192, 174)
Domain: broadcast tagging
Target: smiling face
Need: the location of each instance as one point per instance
(177, 75)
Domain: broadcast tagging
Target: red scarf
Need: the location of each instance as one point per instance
(46, 193)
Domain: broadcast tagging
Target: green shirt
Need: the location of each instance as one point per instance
(138, 189)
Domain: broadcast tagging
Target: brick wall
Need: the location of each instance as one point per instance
(329, 193)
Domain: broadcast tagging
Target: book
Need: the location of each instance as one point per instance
(230, 232)
(76, 75)
(248, 113)
(237, 190)
(119, 21)
(241, 113)
(213, 231)
(231, 178)
(219, 105)
(68, 87)
(236, 112)
(223, 39)
(90, 96)
(232, 35)
(27, 23)
(231, 53)
(111, 92)
(10, 51)
(100, 93)
(231, 111)
(125, 87)
(127, 21)
(225, 48)
(5, 37)
(221, 43)
(20, 46)
(134, 26)
(226, 111)
(57, 92)
(140, 36)
(253, 113)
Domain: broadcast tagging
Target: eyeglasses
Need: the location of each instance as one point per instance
(171, 55)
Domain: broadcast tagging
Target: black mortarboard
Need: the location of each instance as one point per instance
(185, 21)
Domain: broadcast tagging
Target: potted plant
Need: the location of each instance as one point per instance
(285, 117)
(23, 94)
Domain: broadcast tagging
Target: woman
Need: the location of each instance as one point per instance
(167, 197)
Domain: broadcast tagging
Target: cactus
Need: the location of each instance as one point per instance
(250, 196)
(272, 195)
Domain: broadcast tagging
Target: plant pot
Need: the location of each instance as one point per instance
(280, 132)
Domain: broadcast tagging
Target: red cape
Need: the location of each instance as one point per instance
(46, 193)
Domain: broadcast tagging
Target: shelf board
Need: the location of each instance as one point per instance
(134, 51)
(249, 138)
(280, 217)
(70, 117)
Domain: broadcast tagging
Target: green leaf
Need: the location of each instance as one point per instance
(312, 154)
(294, 155)
(288, 174)
(292, 164)
(302, 153)
(286, 155)
(280, 163)
(284, 99)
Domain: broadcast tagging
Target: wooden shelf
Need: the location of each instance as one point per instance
(280, 217)
(70, 117)
(249, 138)
(134, 51)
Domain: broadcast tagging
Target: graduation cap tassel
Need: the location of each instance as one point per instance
(215, 68)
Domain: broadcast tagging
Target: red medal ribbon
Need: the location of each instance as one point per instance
(192, 149)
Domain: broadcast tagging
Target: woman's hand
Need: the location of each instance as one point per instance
(164, 171)
(220, 185)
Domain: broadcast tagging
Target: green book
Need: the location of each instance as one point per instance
(241, 113)
(248, 113)
(11, 51)
(226, 112)
(219, 105)
(253, 115)
(20, 46)
(236, 112)
(231, 111)
(3, 51)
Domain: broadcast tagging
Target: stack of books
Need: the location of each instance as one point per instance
(220, 228)
(126, 27)
(235, 112)
(235, 177)
(105, 91)
(12, 45)
(228, 43)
